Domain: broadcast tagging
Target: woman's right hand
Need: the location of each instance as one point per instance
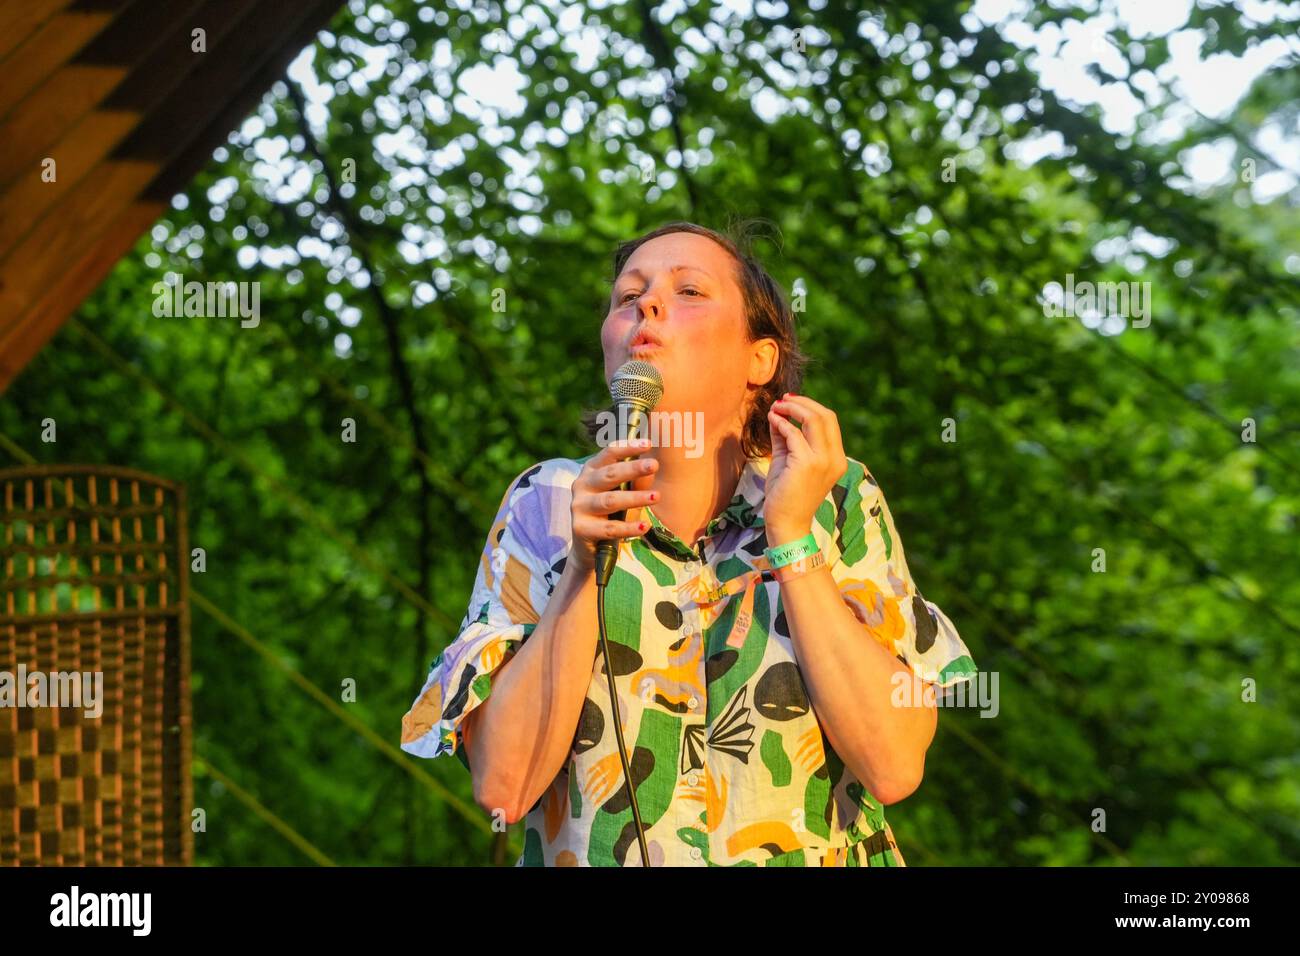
(596, 495)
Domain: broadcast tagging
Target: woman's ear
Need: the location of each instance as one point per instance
(764, 357)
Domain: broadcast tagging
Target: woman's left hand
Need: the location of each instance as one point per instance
(806, 464)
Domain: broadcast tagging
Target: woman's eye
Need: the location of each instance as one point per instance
(693, 291)
(625, 296)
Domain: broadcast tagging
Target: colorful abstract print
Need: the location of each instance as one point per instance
(730, 764)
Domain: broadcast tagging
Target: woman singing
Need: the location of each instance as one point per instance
(771, 654)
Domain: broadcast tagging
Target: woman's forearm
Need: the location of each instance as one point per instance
(523, 732)
(851, 680)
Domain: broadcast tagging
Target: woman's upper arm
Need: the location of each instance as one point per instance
(509, 589)
(875, 582)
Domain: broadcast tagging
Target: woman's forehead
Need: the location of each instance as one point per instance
(677, 252)
(674, 269)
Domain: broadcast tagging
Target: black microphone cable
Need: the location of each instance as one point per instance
(618, 721)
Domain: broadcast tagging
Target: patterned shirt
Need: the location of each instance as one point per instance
(730, 763)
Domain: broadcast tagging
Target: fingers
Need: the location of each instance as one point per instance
(821, 435)
(614, 464)
(612, 475)
(591, 511)
(607, 502)
(597, 492)
(794, 439)
(618, 450)
(821, 427)
(597, 529)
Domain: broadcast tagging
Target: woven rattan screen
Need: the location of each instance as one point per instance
(94, 590)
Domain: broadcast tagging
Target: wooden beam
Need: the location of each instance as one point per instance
(153, 79)
(50, 46)
(92, 204)
(51, 310)
(43, 116)
(18, 21)
(187, 164)
(38, 286)
(26, 200)
(222, 77)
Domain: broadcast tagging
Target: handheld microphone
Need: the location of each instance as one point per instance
(636, 389)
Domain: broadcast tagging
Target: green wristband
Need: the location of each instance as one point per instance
(791, 552)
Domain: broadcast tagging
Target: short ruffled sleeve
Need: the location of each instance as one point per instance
(511, 588)
(873, 578)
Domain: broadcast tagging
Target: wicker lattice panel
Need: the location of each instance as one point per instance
(93, 581)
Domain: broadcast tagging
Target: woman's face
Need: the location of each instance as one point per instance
(677, 305)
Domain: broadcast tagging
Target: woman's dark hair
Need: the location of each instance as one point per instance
(767, 315)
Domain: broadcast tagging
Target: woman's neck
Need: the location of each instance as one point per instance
(694, 490)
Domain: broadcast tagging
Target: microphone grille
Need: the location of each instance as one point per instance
(638, 382)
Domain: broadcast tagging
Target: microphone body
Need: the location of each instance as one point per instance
(631, 415)
(636, 389)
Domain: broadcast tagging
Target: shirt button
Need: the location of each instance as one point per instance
(693, 778)
(695, 853)
(691, 567)
(693, 703)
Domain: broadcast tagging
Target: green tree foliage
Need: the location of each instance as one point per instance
(437, 270)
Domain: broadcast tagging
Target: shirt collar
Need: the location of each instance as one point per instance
(745, 510)
(746, 506)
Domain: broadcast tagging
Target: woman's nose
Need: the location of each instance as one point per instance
(650, 306)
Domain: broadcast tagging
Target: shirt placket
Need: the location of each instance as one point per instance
(698, 586)
(690, 569)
